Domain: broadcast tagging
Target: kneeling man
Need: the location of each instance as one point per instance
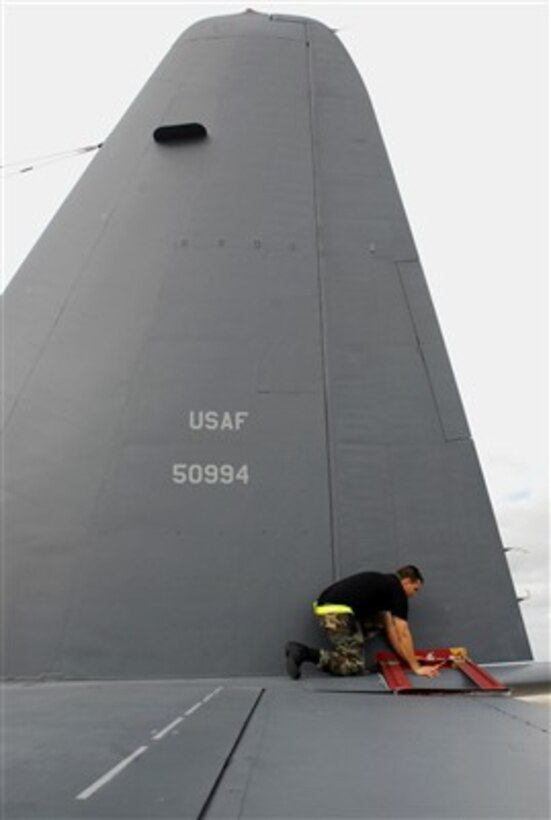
(351, 611)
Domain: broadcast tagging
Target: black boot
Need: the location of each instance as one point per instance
(296, 654)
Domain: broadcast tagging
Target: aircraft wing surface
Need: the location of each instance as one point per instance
(267, 748)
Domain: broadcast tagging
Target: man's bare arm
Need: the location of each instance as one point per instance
(401, 640)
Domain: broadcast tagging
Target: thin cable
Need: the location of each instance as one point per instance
(48, 159)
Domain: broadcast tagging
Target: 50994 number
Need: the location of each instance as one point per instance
(209, 474)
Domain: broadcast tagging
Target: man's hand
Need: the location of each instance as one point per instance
(401, 640)
(427, 671)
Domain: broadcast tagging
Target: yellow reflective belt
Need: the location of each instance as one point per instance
(332, 609)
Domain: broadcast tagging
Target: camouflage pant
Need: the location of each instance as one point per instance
(346, 636)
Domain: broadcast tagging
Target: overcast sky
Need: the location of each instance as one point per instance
(460, 91)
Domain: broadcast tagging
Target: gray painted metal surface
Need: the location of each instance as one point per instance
(524, 679)
(296, 752)
(64, 745)
(226, 385)
(337, 755)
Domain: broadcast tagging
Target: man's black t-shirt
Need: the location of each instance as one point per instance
(368, 593)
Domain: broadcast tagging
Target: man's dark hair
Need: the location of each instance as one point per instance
(410, 571)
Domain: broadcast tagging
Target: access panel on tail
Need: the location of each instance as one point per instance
(226, 384)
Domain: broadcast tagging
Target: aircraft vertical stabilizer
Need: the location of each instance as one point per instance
(226, 384)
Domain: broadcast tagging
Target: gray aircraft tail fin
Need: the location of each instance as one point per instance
(226, 383)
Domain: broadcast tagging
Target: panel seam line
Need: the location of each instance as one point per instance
(206, 805)
(322, 312)
(420, 349)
